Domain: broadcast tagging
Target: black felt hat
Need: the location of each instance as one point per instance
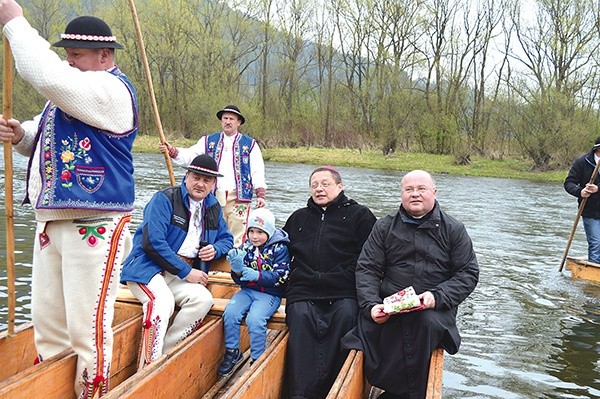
(234, 110)
(88, 32)
(597, 144)
(204, 165)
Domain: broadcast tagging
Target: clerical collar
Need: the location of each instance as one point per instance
(416, 219)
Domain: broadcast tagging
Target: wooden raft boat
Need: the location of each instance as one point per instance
(197, 358)
(351, 382)
(19, 378)
(583, 269)
(54, 377)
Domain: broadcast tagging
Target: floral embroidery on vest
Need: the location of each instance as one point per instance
(71, 151)
(242, 147)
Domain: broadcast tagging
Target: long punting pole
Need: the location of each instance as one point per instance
(579, 211)
(161, 134)
(7, 80)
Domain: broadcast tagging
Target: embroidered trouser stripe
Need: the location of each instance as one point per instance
(113, 262)
(148, 328)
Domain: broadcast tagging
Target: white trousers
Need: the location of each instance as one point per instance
(159, 298)
(235, 214)
(75, 279)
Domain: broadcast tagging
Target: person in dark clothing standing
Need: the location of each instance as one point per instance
(423, 247)
(578, 185)
(326, 238)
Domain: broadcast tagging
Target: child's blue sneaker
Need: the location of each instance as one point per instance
(230, 360)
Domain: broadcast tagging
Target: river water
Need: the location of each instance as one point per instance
(528, 331)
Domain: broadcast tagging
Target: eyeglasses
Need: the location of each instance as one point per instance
(419, 189)
(325, 184)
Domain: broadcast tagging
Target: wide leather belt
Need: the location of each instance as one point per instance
(189, 261)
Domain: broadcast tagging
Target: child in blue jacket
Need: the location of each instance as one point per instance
(261, 267)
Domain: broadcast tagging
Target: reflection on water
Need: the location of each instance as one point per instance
(528, 331)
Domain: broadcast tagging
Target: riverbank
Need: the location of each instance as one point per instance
(510, 168)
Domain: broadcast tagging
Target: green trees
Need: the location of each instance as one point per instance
(442, 76)
(557, 93)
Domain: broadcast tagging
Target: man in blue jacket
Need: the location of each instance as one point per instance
(183, 228)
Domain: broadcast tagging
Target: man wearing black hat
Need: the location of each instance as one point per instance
(80, 184)
(241, 164)
(578, 185)
(183, 228)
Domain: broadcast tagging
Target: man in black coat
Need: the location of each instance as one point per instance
(422, 247)
(578, 185)
(326, 238)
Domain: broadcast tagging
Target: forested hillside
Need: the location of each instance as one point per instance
(489, 78)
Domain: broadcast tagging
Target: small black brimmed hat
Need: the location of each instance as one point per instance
(234, 110)
(204, 165)
(88, 32)
(597, 144)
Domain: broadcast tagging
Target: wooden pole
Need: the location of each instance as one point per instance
(161, 134)
(7, 80)
(579, 212)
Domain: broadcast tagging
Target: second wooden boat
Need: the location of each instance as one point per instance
(583, 269)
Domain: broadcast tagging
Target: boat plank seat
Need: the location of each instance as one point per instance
(351, 382)
(436, 369)
(221, 285)
(54, 377)
(276, 322)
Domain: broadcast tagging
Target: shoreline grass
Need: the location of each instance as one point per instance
(510, 168)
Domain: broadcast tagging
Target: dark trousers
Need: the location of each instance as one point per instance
(314, 355)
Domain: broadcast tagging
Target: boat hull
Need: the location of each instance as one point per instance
(197, 358)
(583, 269)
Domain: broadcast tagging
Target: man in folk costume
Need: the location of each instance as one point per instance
(80, 184)
(241, 164)
(183, 229)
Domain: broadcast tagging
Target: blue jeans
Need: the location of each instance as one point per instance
(259, 307)
(592, 233)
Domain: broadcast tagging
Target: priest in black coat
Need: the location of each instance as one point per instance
(423, 247)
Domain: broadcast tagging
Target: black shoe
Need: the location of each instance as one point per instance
(230, 360)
